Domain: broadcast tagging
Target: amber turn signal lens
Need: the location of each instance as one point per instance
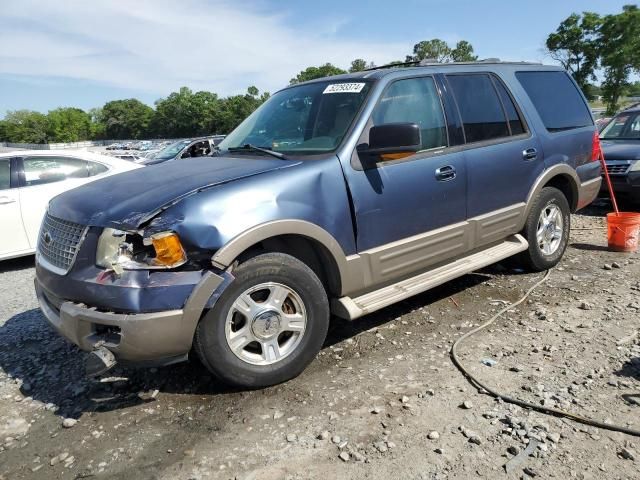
(168, 249)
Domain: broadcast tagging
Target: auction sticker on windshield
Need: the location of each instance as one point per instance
(344, 88)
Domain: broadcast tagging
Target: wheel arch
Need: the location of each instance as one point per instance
(304, 240)
(560, 176)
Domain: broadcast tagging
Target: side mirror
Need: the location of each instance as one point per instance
(392, 138)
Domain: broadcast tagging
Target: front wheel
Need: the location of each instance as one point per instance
(546, 230)
(267, 326)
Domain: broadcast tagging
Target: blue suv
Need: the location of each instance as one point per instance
(340, 195)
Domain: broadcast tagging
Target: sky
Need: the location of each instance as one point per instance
(84, 53)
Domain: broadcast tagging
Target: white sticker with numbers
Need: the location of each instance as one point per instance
(344, 88)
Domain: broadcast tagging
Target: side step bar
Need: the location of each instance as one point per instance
(352, 308)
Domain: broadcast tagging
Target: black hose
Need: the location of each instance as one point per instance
(550, 411)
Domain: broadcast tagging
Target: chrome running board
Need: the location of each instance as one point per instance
(352, 308)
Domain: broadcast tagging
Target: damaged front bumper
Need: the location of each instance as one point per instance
(160, 337)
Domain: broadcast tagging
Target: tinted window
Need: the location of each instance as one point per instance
(556, 99)
(96, 168)
(479, 106)
(515, 123)
(41, 170)
(5, 174)
(414, 100)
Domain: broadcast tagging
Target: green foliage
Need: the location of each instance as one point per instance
(359, 64)
(620, 53)
(126, 119)
(25, 126)
(310, 73)
(439, 51)
(575, 45)
(633, 90)
(68, 125)
(463, 52)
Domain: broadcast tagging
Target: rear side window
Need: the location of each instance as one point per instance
(556, 99)
(5, 174)
(414, 100)
(480, 108)
(41, 170)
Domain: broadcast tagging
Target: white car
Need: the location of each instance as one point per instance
(29, 179)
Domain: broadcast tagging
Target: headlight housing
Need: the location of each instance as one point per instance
(635, 166)
(120, 250)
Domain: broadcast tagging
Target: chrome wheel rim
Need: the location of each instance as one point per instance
(550, 229)
(266, 323)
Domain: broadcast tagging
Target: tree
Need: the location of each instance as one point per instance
(359, 64)
(98, 126)
(463, 52)
(68, 125)
(311, 73)
(126, 119)
(185, 113)
(620, 53)
(233, 110)
(25, 126)
(434, 49)
(575, 45)
(438, 50)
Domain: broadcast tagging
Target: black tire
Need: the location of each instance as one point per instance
(534, 258)
(210, 340)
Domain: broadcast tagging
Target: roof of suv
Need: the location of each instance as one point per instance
(433, 67)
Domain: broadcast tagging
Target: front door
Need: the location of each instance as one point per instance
(406, 209)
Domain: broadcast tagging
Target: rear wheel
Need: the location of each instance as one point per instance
(267, 326)
(546, 230)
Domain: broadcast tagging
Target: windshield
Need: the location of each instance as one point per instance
(172, 150)
(625, 126)
(306, 119)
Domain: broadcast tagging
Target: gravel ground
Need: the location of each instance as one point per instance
(382, 400)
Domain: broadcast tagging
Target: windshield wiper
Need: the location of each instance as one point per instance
(249, 147)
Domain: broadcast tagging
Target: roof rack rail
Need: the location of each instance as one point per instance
(430, 62)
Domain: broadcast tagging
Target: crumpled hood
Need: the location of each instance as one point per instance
(128, 199)
(621, 149)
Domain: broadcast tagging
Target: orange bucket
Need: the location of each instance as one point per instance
(623, 231)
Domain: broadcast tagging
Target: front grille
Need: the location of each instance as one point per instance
(59, 242)
(617, 168)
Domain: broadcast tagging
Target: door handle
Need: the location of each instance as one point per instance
(6, 200)
(530, 154)
(446, 173)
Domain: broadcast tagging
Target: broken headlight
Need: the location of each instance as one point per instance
(120, 250)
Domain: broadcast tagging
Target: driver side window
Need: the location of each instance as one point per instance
(414, 100)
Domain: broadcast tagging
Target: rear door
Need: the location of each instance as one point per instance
(503, 155)
(13, 240)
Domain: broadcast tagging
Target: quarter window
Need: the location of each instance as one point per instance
(414, 100)
(42, 170)
(5, 174)
(557, 100)
(96, 168)
(480, 108)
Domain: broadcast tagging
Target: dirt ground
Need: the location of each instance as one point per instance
(382, 400)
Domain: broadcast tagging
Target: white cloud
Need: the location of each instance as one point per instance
(158, 46)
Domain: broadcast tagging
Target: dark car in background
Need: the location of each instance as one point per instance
(621, 146)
